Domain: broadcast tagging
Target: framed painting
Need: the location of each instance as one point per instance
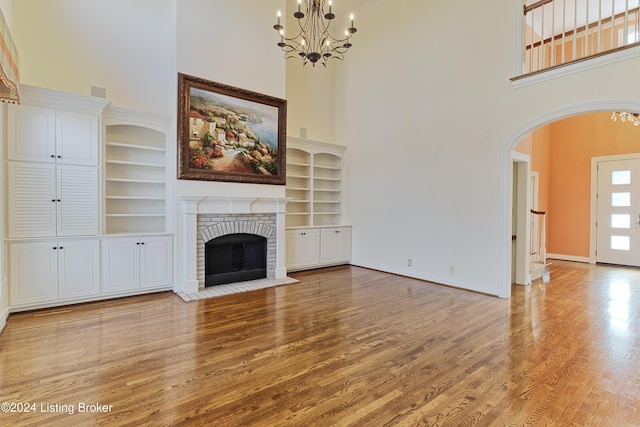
(229, 134)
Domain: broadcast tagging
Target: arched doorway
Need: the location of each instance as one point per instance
(508, 172)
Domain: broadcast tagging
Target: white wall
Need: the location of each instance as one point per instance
(426, 109)
(125, 46)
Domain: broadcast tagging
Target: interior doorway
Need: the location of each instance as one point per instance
(567, 169)
(520, 217)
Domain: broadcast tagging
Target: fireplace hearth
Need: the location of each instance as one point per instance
(235, 258)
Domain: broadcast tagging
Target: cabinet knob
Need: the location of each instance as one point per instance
(59, 156)
(137, 243)
(53, 157)
(58, 200)
(61, 247)
(53, 200)
(55, 247)
(142, 243)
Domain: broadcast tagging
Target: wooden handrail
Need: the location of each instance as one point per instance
(538, 212)
(536, 5)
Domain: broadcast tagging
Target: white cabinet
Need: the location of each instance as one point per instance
(63, 184)
(336, 245)
(41, 134)
(47, 200)
(53, 147)
(131, 263)
(315, 247)
(54, 270)
(303, 248)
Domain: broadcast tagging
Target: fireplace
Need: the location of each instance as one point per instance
(235, 258)
(206, 218)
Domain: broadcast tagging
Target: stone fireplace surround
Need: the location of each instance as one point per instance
(207, 217)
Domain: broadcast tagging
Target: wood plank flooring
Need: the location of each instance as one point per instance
(345, 346)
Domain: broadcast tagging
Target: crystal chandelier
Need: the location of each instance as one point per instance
(314, 42)
(625, 116)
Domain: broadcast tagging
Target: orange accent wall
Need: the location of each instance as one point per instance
(562, 153)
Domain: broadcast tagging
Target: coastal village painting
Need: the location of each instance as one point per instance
(230, 137)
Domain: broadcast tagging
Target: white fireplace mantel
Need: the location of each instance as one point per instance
(194, 205)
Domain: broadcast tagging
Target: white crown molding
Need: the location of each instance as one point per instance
(50, 98)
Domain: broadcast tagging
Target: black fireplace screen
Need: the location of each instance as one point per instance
(235, 258)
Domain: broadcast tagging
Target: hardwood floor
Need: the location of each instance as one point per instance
(345, 346)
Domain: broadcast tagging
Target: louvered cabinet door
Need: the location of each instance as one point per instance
(77, 208)
(32, 200)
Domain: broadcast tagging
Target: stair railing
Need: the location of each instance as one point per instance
(538, 242)
(558, 32)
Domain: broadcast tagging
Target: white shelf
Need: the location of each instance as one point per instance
(133, 215)
(133, 163)
(319, 178)
(135, 146)
(139, 181)
(335, 168)
(134, 198)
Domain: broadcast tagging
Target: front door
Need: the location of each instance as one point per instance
(618, 222)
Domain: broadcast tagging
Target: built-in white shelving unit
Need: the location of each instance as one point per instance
(81, 174)
(314, 183)
(316, 235)
(135, 175)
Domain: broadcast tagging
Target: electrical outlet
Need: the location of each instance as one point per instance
(409, 262)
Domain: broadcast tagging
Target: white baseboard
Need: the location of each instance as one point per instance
(3, 319)
(414, 274)
(568, 258)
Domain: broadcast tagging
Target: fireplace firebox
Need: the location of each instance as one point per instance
(235, 258)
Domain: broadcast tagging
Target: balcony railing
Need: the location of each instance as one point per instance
(558, 32)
